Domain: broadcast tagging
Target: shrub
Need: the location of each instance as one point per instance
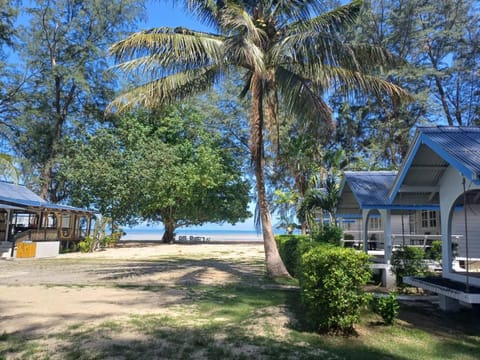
(331, 283)
(408, 261)
(435, 251)
(330, 234)
(87, 244)
(387, 307)
(110, 240)
(289, 248)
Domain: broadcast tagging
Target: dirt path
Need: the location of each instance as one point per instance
(51, 294)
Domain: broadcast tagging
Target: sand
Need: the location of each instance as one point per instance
(47, 295)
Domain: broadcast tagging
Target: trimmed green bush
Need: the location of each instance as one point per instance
(331, 282)
(408, 261)
(387, 307)
(330, 234)
(289, 248)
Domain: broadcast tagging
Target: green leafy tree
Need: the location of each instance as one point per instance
(63, 50)
(290, 51)
(10, 80)
(166, 167)
(7, 18)
(440, 41)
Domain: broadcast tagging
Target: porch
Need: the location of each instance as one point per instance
(32, 227)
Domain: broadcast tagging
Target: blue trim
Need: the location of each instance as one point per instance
(402, 207)
(349, 216)
(448, 158)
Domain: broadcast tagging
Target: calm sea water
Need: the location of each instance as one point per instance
(155, 234)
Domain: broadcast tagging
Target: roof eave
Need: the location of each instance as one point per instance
(417, 141)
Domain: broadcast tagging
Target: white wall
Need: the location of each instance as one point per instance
(47, 249)
(473, 223)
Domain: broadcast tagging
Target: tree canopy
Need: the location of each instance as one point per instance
(159, 166)
(62, 51)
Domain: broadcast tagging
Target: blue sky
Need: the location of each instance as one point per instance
(164, 13)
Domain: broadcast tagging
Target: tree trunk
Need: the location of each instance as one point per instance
(274, 263)
(169, 234)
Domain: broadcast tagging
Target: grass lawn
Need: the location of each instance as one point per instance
(240, 322)
(244, 319)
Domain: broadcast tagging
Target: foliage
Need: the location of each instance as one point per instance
(408, 261)
(87, 244)
(284, 203)
(290, 248)
(162, 166)
(10, 78)
(435, 251)
(306, 210)
(7, 17)
(387, 307)
(330, 234)
(439, 42)
(331, 283)
(65, 84)
(99, 238)
(110, 240)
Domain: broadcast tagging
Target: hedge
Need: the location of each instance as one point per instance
(289, 247)
(331, 283)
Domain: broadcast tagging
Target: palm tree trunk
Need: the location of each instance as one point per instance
(274, 263)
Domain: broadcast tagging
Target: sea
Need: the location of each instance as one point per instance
(211, 235)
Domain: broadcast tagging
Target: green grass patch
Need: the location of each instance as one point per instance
(248, 320)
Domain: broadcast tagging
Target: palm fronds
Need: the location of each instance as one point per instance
(167, 90)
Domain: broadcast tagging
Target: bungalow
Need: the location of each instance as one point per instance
(374, 224)
(446, 161)
(440, 172)
(32, 227)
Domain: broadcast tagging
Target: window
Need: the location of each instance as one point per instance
(375, 224)
(429, 219)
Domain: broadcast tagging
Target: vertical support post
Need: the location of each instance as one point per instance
(386, 220)
(89, 226)
(388, 279)
(7, 224)
(447, 256)
(365, 229)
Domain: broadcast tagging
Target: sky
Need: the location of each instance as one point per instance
(164, 13)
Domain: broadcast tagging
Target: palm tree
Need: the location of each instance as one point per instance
(290, 50)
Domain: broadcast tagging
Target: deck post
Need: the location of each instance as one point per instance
(448, 304)
(364, 229)
(387, 240)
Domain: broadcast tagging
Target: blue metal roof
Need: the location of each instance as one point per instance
(370, 188)
(21, 196)
(458, 146)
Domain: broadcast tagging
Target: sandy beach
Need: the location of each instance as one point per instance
(45, 295)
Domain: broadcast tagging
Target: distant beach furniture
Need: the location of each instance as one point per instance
(193, 239)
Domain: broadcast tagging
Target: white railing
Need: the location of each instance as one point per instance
(417, 240)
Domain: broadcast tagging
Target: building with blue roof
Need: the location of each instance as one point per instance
(28, 221)
(371, 221)
(441, 171)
